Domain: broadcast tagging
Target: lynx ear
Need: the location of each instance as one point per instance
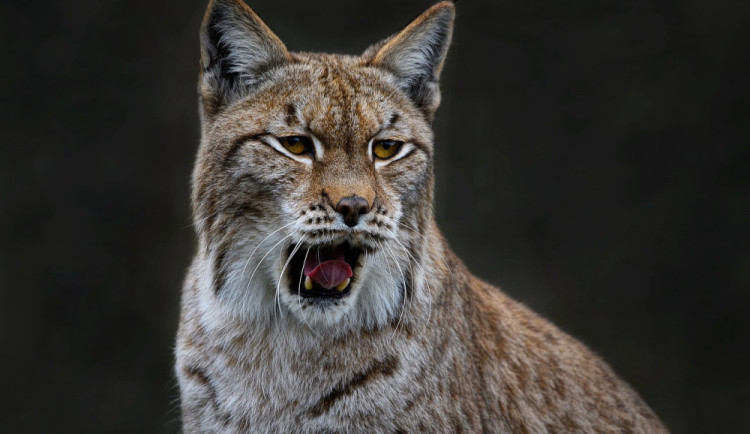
(416, 55)
(237, 49)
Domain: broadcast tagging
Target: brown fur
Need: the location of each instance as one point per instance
(420, 344)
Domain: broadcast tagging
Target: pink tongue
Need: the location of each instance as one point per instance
(328, 274)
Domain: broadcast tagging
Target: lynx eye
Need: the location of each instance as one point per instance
(297, 145)
(385, 149)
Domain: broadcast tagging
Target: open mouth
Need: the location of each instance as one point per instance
(324, 271)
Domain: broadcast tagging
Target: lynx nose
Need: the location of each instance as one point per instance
(351, 207)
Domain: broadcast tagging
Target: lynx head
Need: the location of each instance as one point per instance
(312, 191)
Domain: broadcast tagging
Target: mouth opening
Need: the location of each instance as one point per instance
(326, 271)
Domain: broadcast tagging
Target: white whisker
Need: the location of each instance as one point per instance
(263, 241)
(277, 298)
(195, 223)
(264, 257)
(299, 296)
(442, 258)
(403, 281)
(421, 268)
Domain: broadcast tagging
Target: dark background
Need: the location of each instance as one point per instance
(592, 159)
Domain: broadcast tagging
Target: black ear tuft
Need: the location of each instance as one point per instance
(237, 48)
(416, 55)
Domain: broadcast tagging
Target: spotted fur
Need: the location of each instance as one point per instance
(419, 344)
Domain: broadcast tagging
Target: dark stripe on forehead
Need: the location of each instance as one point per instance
(394, 118)
(291, 114)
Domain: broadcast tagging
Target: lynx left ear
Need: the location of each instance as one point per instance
(237, 49)
(416, 55)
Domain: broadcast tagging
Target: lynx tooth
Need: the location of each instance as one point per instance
(343, 284)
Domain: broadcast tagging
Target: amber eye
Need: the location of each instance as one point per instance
(297, 145)
(385, 149)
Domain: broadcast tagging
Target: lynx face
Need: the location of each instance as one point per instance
(313, 185)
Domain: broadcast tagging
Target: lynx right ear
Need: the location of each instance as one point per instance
(416, 55)
(237, 48)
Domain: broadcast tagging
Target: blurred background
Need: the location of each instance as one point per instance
(592, 159)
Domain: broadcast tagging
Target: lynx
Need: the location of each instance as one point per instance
(322, 296)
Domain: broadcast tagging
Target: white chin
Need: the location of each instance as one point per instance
(319, 312)
(374, 300)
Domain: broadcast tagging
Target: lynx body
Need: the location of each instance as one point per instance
(322, 296)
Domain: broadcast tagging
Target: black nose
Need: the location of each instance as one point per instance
(351, 207)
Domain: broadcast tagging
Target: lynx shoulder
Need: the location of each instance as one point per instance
(322, 296)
